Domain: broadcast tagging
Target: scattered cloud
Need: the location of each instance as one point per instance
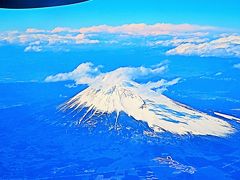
(38, 40)
(34, 46)
(223, 46)
(161, 85)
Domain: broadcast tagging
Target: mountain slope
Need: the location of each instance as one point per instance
(114, 93)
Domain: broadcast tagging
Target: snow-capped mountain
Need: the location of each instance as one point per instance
(115, 92)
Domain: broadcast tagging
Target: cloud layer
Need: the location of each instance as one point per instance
(177, 39)
(147, 30)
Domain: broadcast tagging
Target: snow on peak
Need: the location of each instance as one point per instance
(116, 92)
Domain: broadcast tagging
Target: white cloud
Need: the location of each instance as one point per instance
(176, 41)
(82, 39)
(147, 30)
(9, 36)
(161, 85)
(224, 46)
(45, 39)
(33, 30)
(85, 73)
(34, 46)
(64, 29)
(237, 66)
(133, 73)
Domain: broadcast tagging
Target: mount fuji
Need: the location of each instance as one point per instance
(117, 92)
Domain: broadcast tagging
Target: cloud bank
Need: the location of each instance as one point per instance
(147, 30)
(177, 39)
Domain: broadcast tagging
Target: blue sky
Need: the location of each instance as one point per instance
(224, 13)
